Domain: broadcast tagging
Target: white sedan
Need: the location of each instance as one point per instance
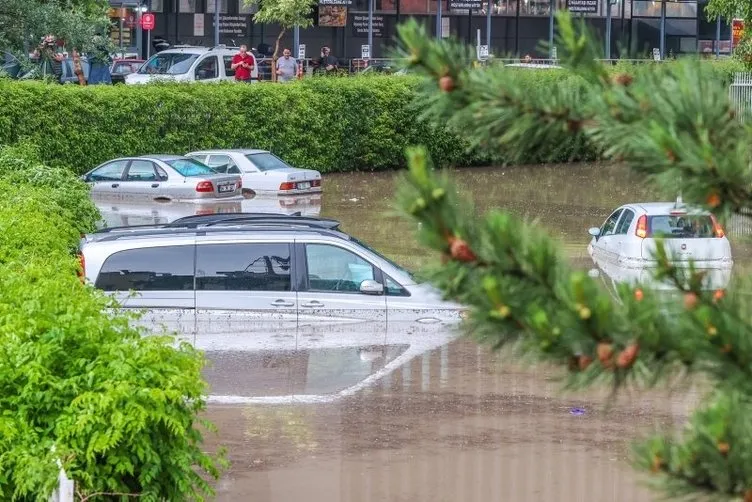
(628, 236)
(262, 171)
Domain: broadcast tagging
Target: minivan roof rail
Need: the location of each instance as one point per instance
(268, 226)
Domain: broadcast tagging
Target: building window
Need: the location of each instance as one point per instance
(188, 6)
(156, 5)
(673, 9)
(222, 6)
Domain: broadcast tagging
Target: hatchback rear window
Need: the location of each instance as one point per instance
(682, 226)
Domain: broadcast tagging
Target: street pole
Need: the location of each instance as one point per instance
(139, 32)
(216, 22)
(296, 39)
(608, 30)
(148, 34)
(551, 30)
(370, 28)
(663, 30)
(438, 19)
(517, 30)
(718, 37)
(488, 25)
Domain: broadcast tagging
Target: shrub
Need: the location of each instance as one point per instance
(79, 384)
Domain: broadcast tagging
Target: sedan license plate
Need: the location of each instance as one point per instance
(304, 186)
(226, 188)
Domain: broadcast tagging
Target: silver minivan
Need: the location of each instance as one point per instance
(217, 279)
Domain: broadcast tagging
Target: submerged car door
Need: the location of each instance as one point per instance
(605, 245)
(142, 180)
(332, 308)
(107, 179)
(157, 278)
(244, 289)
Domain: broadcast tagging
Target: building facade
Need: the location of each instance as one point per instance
(517, 26)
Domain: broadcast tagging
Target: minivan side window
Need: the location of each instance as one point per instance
(243, 267)
(333, 269)
(207, 68)
(228, 66)
(165, 268)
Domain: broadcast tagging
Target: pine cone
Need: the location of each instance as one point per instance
(584, 361)
(748, 495)
(718, 295)
(657, 463)
(460, 251)
(690, 301)
(713, 200)
(639, 295)
(627, 357)
(724, 448)
(605, 352)
(623, 79)
(446, 83)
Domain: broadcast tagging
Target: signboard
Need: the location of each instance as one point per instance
(360, 25)
(148, 21)
(444, 27)
(346, 3)
(466, 4)
(656, 54)
(365, 51)
(130, 21)
(483, 52)
(231, 25)
(737, 32)
(198, 25)
(583, 6)
(554, 53)
(301, 51)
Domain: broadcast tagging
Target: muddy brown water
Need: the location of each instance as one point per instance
(455, 422)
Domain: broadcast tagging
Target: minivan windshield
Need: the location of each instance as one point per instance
(176, 63)
(267, 161)
(685, 226)
(190, 167)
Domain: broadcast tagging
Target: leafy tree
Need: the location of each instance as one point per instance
(675, 125)
(731, 9)
(76, 22)
(287, 14)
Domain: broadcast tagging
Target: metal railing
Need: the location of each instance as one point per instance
(740, 94)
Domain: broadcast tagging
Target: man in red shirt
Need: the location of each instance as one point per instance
(242, 64)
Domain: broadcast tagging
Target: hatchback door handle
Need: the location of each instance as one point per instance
(155, 185)
(115, 185)
(313, 304)
(282, 303)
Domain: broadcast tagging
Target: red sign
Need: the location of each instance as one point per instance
(148, 21)
(737, 31)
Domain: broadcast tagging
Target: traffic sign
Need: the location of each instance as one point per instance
(301, 51)
(483, 52)
(365, 51)
(148, 21)
(656, 54)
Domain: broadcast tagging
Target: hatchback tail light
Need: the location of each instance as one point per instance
(717, 228)
(316, 183)
(287, 185)
(204, 187)
(642, 227)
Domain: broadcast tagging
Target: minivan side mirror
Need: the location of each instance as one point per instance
(369, 287)
(84, 178)
(595, 231)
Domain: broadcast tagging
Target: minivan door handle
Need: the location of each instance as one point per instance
(155, 185)
(115, 185)
(313, 304)
(282, 303)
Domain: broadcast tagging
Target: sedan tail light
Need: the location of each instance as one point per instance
(717, 228)
(642, 227)
(316, 183)
(287, 185)
(204, 187)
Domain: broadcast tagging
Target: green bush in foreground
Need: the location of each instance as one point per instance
(77, 384)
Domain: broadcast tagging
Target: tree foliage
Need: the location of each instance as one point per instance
(676, 126)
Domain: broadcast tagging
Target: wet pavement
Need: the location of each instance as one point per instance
(384, 414)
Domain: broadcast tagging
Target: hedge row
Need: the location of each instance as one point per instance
(331, 125)
(76, 384)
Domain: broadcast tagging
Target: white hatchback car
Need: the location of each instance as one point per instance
(628, 236)
(262, 171)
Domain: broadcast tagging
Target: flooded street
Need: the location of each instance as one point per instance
(386, 413)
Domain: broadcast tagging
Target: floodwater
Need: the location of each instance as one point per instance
(398, 416)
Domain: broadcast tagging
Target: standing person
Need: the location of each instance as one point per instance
(327, 62)
(287, 67)
(242, 64)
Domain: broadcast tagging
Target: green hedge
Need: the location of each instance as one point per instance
(120, 409)
(329, 124)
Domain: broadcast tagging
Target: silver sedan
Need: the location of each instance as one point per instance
(162, 177)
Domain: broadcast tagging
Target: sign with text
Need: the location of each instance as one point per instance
(737, 32)
(483, 52)
(656, 54)
(301, 51)
(360, 25)
(445, 27)
(583, 6)
(148, 21)
(365, 51)
(231, 25)
(346, 3)
(198, 25)
(465, 4)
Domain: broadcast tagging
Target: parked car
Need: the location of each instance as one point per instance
(232, 274)
(122, 67)
(189, 64)
(628, 236)
(161, 177)
(68, 76)
(262, 171)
